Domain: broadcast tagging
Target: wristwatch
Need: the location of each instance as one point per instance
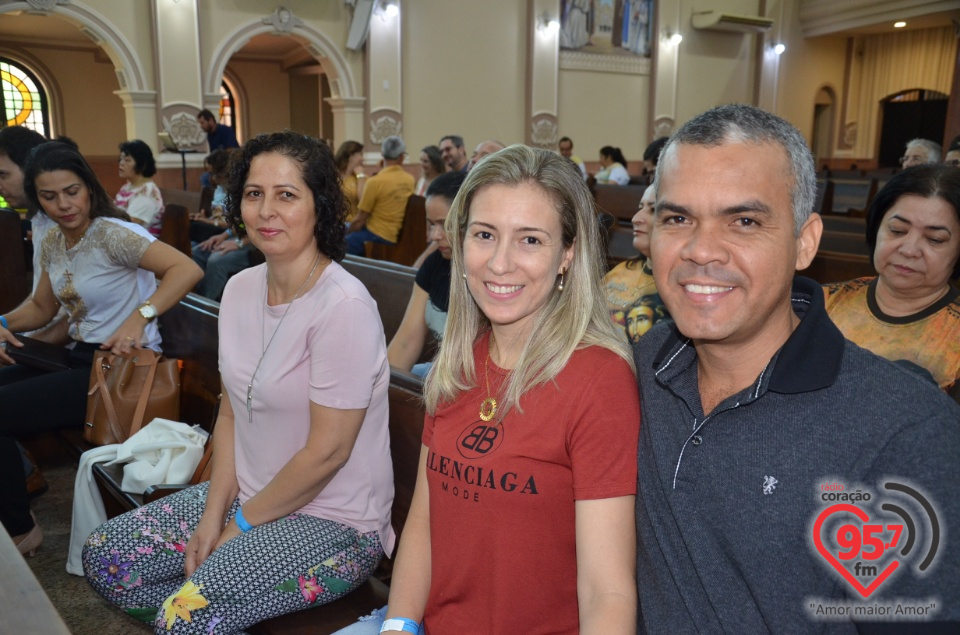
(148, 311)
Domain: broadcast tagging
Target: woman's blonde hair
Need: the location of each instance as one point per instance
(573, 318)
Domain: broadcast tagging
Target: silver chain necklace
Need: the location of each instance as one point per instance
(265, 348)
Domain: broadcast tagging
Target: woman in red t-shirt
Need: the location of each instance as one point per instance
(523, 516)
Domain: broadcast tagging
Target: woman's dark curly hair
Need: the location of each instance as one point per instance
(928, 180)
(319, 172)
(53, 156)
(142, 156)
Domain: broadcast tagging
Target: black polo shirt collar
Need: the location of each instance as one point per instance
(809, 360)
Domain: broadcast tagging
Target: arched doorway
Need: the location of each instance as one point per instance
(317, 80)
(824, 114)
(911, 114)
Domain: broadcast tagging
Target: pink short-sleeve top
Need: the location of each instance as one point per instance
(329, 350)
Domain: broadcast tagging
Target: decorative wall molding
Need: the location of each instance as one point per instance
(385, 123)
(544, 130)
(663, 127)
(849, 138)
(282, 20)
(624, 64)
(183, 126)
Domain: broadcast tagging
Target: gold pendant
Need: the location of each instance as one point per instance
(488, 408)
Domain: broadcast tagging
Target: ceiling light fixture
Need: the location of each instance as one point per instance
(899, 25)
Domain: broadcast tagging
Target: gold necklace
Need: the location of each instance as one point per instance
(488, 407)
(66, 241)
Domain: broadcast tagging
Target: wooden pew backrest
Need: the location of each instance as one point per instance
(413, 236)
(620, 201)
(189, 332)
(175, 227)
(390, 285)
(190, 200)
(14, 283)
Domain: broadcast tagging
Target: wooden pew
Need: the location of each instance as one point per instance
(824, 200)
(389, 283)
(190, 200)
(175, 227)
(852, 196)
(845, 224)
(14, 281)
(844, 242)
(412, 239)
(620, 201)
(830, 266)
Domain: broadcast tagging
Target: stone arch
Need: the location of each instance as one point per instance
(131, 74)
(342, 82)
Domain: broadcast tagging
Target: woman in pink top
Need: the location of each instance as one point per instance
(297, 511)
(139, 197)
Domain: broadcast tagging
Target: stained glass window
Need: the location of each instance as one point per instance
(226, 106)
(22, 100)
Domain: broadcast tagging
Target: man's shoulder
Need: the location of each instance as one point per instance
(646, 350)
(871, 386)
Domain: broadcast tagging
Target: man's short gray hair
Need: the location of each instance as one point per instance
(739, 123)
(392, 147)
(932, 148)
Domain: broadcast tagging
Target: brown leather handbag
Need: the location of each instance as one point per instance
(128, 390)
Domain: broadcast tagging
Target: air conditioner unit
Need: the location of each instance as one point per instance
(717, 21)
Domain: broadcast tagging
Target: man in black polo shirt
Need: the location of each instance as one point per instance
(778, 462)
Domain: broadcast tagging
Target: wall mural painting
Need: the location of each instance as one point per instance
(609, 27)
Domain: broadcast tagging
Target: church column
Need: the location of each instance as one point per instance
(348, 116)
(140, 108)
(383, 65)
(543, 73)
(176, 32)
(667, 66)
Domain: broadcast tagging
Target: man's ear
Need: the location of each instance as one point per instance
(809, 241)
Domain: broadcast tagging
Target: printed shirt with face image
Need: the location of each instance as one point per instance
(632, 298)
(928, 339)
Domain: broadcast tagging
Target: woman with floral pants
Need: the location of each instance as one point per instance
(297, 510)
(139, 565)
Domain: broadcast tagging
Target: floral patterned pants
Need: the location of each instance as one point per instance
(136, 562)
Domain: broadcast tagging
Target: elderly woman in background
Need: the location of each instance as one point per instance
(297, 511)
(920, 151)
(523, 515)
(102, 270)
(614, 166)
(632, 297)
(349, 160)
(909, 312)
(139, 196)
(431, 166)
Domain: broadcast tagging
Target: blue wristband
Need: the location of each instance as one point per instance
(241, 521)
(4, 323)
(400, 624)
(229, 233)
